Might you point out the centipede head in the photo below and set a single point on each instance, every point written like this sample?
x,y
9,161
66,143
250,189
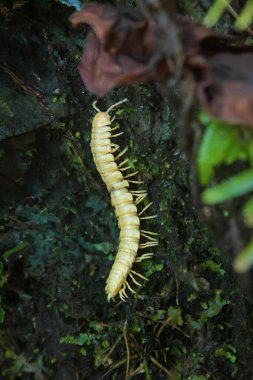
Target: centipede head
x,y
101,119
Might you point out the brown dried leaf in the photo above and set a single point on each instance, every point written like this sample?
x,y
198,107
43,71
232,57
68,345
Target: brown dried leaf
x,y
227,94
127,48
123,49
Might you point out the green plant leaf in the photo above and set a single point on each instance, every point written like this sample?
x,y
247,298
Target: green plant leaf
x,y
219,143
215,305
219,7
245,259
212,266
104,247
215,12
245,18
234,187
19,247
175,316
227,351
159,315
248,212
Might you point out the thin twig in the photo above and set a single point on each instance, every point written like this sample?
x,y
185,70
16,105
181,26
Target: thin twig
x,y
117,365
112,348
127,350
159,365
136,371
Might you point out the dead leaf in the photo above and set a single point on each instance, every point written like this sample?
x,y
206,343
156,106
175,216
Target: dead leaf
x,y
127,48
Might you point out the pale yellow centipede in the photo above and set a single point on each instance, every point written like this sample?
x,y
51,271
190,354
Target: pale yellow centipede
x,y
124,202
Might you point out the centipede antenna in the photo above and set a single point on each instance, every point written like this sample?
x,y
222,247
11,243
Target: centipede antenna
x,y
121,153
116,105
145,208
95,107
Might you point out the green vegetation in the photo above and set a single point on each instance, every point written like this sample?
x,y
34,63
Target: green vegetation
x,y
224,145
219,7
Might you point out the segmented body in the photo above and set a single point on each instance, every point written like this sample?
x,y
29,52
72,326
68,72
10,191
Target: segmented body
x,y
124,203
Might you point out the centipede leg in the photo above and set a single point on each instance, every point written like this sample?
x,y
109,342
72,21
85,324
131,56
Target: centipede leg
x,y
124,169
115,128
129,287
136,193
131,175
122,293
149,237
117,134
148,217
140,275
123,163
140,198
121,296
112,119
136,181
121,153
150,232
145,208
144,257
148,244
114,148
133,279
147,234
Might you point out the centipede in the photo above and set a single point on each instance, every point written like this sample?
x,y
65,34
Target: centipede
x,y
125,201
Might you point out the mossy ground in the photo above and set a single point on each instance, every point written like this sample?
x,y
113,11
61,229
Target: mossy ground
x,y
189,321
